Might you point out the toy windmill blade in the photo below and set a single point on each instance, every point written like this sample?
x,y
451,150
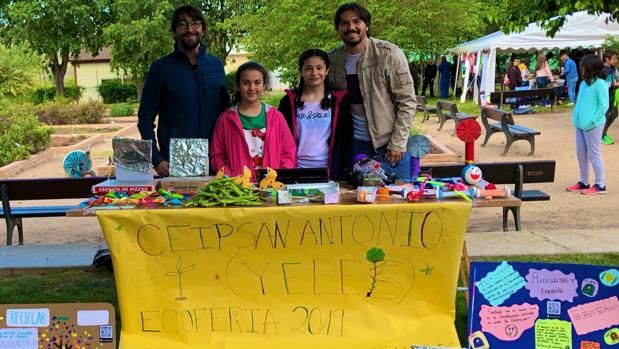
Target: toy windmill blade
x,y
468,130
418,146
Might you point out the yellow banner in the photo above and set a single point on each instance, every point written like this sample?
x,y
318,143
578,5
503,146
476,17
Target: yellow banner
x,y
341,276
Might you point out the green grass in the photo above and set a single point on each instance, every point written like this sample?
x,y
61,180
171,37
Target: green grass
x,y
98,285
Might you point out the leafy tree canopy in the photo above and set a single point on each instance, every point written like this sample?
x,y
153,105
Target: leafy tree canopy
x,y
57,29
279,30
515,15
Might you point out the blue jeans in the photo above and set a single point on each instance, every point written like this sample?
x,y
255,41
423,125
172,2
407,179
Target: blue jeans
x,y
401,170
571,89
542,81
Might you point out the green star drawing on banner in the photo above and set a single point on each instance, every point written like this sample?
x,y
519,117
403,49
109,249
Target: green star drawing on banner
x,y
427,270
119,227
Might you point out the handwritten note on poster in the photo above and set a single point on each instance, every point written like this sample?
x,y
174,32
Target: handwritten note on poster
x,y
551,285
500,284
508,323
27,317
595,316
553,334
18,338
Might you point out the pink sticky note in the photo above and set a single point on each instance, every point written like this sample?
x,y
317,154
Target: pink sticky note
x,y
595,316
508,323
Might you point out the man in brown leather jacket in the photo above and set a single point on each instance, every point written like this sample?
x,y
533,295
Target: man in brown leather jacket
x,y
381,89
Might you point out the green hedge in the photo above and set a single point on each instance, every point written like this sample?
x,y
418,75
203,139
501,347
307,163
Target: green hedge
x,y
121,109
115,91
59,112
21,134
231,82
45,93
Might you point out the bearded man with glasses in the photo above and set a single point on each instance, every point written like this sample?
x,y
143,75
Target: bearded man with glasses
x,y
186,89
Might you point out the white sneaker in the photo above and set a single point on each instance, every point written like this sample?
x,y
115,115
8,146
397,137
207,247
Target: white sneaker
x,y
570,104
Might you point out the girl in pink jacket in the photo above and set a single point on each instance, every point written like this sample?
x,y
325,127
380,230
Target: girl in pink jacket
x,y
251,133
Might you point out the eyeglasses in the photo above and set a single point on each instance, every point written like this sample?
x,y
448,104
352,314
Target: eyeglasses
x,y
195,24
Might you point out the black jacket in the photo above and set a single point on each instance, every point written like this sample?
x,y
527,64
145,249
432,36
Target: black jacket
x,y
340,142
430,72
187,99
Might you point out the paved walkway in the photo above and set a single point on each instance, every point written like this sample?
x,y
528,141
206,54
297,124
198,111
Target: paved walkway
x,y
543,242
16,258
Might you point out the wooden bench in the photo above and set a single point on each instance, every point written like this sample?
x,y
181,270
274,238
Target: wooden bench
x,y
506,125
422,106
40,189
535,96
517,173
449,111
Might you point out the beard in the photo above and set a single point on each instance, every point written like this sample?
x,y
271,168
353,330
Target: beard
x,y
352,42
189,42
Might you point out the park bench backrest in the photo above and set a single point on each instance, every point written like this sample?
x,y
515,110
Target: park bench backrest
x,y
447,108
495,97
421,100
48,188
496,114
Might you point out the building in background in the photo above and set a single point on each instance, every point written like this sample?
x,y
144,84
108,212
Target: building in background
x,y
88,71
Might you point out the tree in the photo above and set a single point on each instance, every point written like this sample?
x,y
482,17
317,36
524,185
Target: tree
x,y
515,15
279,30
19,67
141,32
139,35
57,29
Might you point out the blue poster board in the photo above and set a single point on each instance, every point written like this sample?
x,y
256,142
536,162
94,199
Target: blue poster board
x,y
543,306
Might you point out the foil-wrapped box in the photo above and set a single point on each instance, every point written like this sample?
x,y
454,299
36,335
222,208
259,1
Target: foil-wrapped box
x,y
132,154
188,157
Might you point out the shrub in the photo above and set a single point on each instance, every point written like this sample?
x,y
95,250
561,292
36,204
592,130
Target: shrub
x,y
115,91
121,109
48,93
59,112
21,134
231,82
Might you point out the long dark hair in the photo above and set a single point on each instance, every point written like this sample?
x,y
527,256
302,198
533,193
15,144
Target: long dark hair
x,y
307,54
251,65
593,68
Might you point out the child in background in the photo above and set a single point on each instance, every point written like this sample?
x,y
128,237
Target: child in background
x,y
589,117
543,75
610,64
319,117
251,133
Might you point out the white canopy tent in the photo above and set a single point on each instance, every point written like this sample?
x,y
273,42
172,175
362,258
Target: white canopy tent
x,y
579,30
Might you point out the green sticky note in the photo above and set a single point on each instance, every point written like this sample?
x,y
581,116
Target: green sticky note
x,y
553,334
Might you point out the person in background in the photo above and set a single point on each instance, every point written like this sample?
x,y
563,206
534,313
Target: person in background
x,y
514,75
318,117
454,72
588,117
382,95
570,71
251,133
415,73
186,89
524,71
445,70
429,75
610,68
543,75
